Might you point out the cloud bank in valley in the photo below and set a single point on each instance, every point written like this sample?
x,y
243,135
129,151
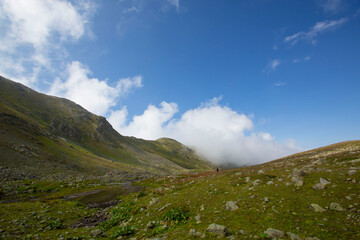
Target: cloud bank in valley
x,y
217,132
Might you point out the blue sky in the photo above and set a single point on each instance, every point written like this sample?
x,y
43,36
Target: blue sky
x,y
271,76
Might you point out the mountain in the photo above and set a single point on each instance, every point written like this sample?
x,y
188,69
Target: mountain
x,y
46,136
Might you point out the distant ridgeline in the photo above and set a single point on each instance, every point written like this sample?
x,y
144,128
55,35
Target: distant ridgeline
x,y
43,136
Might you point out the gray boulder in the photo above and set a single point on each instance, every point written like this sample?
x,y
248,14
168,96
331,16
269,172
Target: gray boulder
x,y
336,207
274,233
317,208
218,230
232,206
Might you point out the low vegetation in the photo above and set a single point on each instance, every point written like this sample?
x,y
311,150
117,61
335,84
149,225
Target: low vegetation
x,y
313,195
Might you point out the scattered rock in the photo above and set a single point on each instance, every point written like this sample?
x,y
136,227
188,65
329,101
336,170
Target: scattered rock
x,y
318,186
202,208
351,172
232,206
96,233
298,175
256,182
260,172
312,238
216,229
321,185
195,233
162,208
153,201
242,232
266,199
324,181
348,197
336,207
293,236
317,208
299,183
270,182
151,225
274,233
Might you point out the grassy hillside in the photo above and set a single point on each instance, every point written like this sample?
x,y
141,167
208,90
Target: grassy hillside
x,y
310,195
43,136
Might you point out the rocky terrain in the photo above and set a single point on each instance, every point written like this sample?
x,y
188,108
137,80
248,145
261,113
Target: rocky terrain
x,y
311,195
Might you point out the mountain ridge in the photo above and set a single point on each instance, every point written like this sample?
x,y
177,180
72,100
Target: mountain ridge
x,y
42,127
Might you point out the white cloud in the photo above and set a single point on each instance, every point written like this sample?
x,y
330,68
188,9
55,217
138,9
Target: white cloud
x,y
131,9
34,30
272,65
331,5
297,60
175,3
93,94
216,132
279,84
312,34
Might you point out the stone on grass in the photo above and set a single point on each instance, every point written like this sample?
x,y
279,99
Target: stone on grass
x,y
231,205
218,230
321,185
154,200
312,238
293,236
242,232
351,172
96,233
298,175
336,207
270,182
299,183
256,182
274,233
324,181
318,186
195,233
317,208
151,224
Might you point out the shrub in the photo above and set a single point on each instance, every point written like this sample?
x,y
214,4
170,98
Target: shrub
x,y
141,194
177,215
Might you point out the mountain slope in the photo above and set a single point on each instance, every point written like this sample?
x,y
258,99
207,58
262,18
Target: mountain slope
x,y
42,135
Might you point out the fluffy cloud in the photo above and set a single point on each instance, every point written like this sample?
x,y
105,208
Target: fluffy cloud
x,y
217,132
91,93
32,30
318,28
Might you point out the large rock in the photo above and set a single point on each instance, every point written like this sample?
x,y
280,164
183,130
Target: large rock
x,y
336,207
317,208
274,233
318,186
232,206
321,185
298,175
218,230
